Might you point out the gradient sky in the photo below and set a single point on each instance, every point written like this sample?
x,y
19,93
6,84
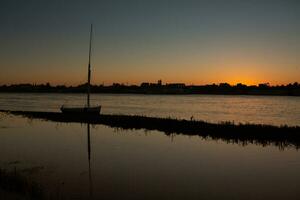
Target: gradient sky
x,y
196,42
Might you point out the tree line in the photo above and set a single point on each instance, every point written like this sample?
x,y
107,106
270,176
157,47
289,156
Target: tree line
x,y
292,89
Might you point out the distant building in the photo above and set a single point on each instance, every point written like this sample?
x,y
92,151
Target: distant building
x,y
175,85
159,83
145,84
241,86
224,85
264,85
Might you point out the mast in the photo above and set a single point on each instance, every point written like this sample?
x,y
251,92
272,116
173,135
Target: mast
x,y
89,69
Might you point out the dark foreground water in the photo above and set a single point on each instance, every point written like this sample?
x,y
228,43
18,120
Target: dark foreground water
x,y
143,165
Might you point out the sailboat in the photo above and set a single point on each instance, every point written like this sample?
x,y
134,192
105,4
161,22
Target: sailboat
x,y
88,109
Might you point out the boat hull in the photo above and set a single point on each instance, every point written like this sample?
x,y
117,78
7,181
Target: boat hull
x,y
81,110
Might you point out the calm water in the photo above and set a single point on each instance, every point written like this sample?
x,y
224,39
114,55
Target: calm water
x,y
142,165
138,164
213,108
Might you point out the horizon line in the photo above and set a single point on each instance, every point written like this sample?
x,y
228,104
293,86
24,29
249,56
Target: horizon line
x,y
157,83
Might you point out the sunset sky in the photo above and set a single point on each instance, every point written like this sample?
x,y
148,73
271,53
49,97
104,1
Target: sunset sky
x,y
195,42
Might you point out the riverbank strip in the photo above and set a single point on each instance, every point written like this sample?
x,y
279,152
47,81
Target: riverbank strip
x,y
282,136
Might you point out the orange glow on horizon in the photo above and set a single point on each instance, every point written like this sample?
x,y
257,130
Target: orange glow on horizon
x,y
191,81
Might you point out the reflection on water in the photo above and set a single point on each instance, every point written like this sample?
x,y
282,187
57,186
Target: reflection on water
x,y
80,161
89,159
275,110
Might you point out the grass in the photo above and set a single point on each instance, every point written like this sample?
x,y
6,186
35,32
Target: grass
x,y
280,136
15,184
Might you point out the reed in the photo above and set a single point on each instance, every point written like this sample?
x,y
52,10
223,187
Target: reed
x,y
13,182
261,134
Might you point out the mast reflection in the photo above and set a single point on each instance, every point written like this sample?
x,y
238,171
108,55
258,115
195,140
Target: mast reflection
x,y
89,161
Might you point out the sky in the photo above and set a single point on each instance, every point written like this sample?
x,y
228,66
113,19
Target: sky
x,y
134,41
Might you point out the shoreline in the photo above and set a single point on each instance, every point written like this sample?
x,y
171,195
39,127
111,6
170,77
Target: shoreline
x,y
261,134
153,93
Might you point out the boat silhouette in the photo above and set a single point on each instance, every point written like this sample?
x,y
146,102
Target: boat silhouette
x,y
88,109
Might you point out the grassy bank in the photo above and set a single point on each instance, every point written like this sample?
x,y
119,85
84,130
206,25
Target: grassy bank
x,y
14,185
281,136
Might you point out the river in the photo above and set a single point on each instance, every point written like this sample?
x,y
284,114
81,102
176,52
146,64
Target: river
x,y
275,110
82,161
